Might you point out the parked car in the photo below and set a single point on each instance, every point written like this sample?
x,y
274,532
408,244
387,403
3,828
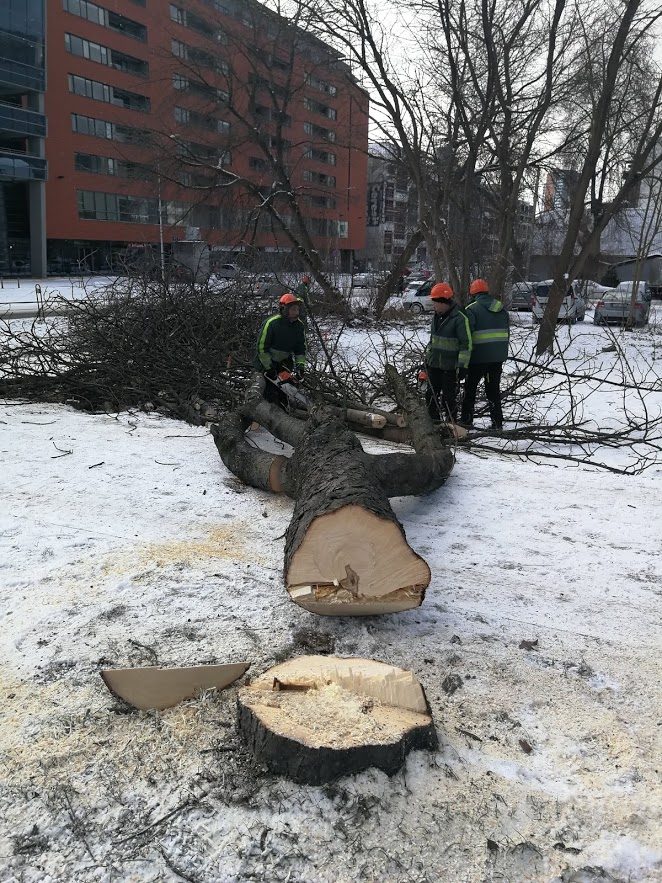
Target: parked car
x,y
367,280
416,297
226,271
616,305
590,290
521,296
573,307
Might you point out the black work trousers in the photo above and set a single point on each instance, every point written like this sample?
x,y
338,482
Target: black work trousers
x,y
491,372
444,385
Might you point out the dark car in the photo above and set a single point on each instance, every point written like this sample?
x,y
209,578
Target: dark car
x,y
521,296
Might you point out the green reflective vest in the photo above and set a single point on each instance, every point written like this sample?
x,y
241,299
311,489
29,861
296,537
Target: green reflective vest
x,y
280,340
450,341
489,330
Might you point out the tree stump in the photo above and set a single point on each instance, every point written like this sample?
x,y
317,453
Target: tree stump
x,y
315,718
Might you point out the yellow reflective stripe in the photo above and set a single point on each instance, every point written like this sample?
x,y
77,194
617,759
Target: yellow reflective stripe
x,y
444,343
264,356
488,336
465,355
300,360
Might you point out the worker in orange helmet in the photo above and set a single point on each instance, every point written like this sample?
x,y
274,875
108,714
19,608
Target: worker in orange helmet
x,y
281,348
447,353
490,333
303,288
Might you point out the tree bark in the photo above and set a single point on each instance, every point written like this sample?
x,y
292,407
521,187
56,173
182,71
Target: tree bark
x,y
316,718
345,551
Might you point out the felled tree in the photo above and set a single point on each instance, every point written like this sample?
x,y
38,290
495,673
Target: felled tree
x,y
345,551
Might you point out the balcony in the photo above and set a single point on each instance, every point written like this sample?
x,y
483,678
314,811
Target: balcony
x,y
20,121
22,167
18,77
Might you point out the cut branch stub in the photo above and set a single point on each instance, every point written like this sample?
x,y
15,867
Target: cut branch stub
x,y
345,551
316,718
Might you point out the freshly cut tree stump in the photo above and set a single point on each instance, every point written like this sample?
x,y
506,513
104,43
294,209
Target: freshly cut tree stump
x,y
315,718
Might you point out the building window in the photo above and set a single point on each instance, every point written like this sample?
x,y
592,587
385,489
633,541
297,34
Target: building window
x,y
318,107
178,48
319,132
190,20
107,18
94,205
108,165
103,55
85,125
202,121
110,94
321,85
321,201
90,126
322,156
196,87
319,178
177,14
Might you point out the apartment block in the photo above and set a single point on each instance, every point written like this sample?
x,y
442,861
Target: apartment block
x,y
186,120
22,133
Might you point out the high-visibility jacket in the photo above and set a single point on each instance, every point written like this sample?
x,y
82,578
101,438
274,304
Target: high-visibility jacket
x,y
450,341
490,330
281,343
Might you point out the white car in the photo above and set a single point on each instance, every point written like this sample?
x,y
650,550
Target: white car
x,y
416,297
573,307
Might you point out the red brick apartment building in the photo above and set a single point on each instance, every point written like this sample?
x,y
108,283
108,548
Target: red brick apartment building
x,y
170,119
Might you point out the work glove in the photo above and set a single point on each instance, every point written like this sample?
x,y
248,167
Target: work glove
x,y
422,376
286,377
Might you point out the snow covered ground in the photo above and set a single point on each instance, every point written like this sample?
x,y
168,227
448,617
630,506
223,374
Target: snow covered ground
x,y
21,298
125,541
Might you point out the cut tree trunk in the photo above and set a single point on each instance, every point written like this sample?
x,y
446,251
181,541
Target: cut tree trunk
x,y
315,718
345,551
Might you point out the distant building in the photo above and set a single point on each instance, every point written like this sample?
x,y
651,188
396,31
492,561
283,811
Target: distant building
x,y
126,77
22,133
391,210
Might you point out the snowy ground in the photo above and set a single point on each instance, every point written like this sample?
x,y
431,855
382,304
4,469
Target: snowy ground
x,y
125,541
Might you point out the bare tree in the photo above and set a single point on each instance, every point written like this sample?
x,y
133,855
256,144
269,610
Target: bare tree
x,y
613,120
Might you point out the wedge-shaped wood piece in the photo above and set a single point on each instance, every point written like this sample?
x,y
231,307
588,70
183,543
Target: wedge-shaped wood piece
x,y
315,718
154,687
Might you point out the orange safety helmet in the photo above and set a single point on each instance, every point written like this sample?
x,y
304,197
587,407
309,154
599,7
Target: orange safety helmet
x,y
289,298
479,286
441,291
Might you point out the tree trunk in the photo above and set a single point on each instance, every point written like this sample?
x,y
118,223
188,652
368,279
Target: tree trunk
x,y
345,551
315,718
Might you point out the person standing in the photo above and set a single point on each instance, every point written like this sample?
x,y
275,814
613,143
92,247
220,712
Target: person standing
x,y
281,348
490,333
303,289
448,352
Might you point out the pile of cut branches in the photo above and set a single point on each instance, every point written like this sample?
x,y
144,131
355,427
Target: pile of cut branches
x,y
135,344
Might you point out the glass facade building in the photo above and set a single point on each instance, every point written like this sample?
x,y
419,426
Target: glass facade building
x,y
23,167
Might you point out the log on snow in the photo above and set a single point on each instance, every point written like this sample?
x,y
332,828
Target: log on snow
x,y
345,551
315,718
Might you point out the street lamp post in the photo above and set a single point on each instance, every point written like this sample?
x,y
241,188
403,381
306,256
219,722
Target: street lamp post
x,y
160,210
